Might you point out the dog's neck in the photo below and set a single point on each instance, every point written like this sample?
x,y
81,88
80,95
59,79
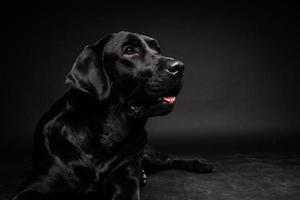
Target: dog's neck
x,y
107,118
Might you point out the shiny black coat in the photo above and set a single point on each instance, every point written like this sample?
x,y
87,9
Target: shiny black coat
x,y
92,144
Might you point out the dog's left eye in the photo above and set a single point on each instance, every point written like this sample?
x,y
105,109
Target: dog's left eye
x,y
130,51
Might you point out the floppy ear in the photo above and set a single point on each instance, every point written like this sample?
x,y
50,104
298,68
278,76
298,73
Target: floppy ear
x,y
88,73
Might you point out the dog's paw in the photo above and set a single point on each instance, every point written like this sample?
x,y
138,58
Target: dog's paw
x,y
194,165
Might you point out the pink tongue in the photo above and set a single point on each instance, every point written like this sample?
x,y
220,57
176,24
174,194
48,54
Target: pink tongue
x,y
169,99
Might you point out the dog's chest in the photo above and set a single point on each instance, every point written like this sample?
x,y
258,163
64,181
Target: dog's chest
x,y
114,130
115,135
111,147
105,167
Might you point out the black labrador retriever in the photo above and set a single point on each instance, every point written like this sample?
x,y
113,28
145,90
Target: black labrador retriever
x,y
92,143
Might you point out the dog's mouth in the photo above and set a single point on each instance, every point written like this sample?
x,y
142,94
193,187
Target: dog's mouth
x,y
154,97
167,99
151,107
153,102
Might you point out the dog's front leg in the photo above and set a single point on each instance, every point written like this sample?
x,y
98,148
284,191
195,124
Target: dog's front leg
x,y
126,184
154,161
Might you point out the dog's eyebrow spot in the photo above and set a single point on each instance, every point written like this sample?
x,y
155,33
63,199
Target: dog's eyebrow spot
x,y
153,44
132,40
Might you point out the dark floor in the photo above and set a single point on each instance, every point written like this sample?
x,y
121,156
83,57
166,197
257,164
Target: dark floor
x,y
270,176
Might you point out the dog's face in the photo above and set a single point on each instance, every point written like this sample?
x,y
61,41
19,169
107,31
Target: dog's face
x,y
132,70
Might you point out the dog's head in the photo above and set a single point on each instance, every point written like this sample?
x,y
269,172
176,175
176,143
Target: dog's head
x,y
129,68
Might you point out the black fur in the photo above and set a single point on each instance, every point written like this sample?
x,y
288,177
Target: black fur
x,y
92,143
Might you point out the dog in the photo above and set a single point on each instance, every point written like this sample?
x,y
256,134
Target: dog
x,y
92,144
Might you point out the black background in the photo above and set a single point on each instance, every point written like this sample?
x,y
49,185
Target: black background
x,y
241,78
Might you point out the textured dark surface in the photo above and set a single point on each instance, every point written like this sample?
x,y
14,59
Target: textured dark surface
x,y
271,176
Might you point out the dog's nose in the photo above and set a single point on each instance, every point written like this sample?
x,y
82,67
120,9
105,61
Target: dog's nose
x,y
175,67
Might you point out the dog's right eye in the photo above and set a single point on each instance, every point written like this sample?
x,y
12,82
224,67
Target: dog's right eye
x,y
130,51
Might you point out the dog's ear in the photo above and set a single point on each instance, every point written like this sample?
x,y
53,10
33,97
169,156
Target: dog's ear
x,y
88,73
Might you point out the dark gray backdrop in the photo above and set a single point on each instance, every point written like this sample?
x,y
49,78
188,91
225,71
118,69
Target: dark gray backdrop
x,y
241,64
